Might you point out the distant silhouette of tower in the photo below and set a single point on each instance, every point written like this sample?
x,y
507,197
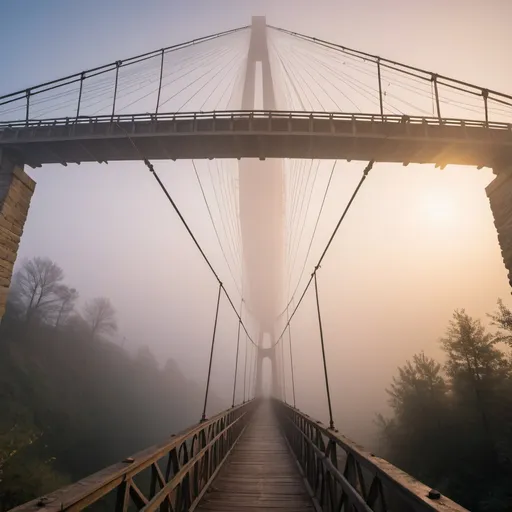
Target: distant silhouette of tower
x,y
262,209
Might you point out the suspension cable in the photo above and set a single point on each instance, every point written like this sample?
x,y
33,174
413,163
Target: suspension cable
x,y
251,367
331,421
203,416
403,68
255,388
245,365
282,379
236,360
291,358
314,232
317,266
151,168
224,218
215,227
365,174
111,66
299,243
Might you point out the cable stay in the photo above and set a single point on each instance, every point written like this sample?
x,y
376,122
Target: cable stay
x,y
333,235
151,168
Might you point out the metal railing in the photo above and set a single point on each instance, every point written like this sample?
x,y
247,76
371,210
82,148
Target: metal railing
x,y
256,114
24,95
342,476
172,476
23,99
471,90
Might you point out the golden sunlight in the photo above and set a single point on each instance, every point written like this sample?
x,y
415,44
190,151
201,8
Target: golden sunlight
x,y
440,208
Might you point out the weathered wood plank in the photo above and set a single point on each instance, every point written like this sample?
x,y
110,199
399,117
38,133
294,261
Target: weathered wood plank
x,y
261,473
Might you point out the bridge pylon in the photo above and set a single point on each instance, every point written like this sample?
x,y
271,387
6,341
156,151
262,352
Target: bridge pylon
x,y
262,208
267,353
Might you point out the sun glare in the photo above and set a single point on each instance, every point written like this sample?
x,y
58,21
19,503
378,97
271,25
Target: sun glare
x,y
439,209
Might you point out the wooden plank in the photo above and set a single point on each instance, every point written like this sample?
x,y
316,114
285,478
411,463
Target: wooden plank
x,y
260,474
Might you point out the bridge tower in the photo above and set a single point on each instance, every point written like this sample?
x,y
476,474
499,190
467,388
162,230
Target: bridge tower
x,y
16,189
262,209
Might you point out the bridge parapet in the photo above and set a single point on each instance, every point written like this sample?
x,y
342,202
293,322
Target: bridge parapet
x,y
343,476
171,476
260,134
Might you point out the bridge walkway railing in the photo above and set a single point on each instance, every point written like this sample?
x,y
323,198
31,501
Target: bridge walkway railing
x,y
177,474
171,476
261,474
343,476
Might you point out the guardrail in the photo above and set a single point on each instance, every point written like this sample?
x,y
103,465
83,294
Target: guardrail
x,y
191,460
256,114
342,476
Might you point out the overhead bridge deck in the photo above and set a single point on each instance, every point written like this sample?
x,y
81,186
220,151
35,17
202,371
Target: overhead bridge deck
x,y
260,134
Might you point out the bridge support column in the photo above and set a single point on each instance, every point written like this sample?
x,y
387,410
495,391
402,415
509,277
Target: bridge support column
x,y
499,193
16,189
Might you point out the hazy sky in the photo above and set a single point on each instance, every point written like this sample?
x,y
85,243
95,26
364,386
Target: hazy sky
x,y
418,243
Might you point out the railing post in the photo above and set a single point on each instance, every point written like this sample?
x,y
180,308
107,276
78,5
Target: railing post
x,y
118,64
160,83
331,422
436,92
380,90
27,112
123,496
82,77
485,95
203,416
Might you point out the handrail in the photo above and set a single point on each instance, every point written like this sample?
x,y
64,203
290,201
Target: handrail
x,y
254,114
341,473
192,459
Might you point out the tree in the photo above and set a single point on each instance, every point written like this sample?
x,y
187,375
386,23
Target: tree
x,y
436,431
477,369
418,382
473,361
418,396
502,318
35,287
67,297
100,316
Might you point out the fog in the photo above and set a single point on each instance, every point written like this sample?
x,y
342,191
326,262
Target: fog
x,y
418,242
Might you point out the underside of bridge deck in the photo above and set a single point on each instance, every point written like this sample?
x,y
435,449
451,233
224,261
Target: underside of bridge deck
x,y
261,473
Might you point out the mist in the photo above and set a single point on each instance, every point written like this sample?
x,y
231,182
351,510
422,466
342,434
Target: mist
x,y
417,243
397,269
385,264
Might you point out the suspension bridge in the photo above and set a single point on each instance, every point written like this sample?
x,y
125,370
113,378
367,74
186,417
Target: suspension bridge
x,y
277,101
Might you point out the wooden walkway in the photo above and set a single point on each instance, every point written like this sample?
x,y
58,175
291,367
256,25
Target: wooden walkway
x,y
260,474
